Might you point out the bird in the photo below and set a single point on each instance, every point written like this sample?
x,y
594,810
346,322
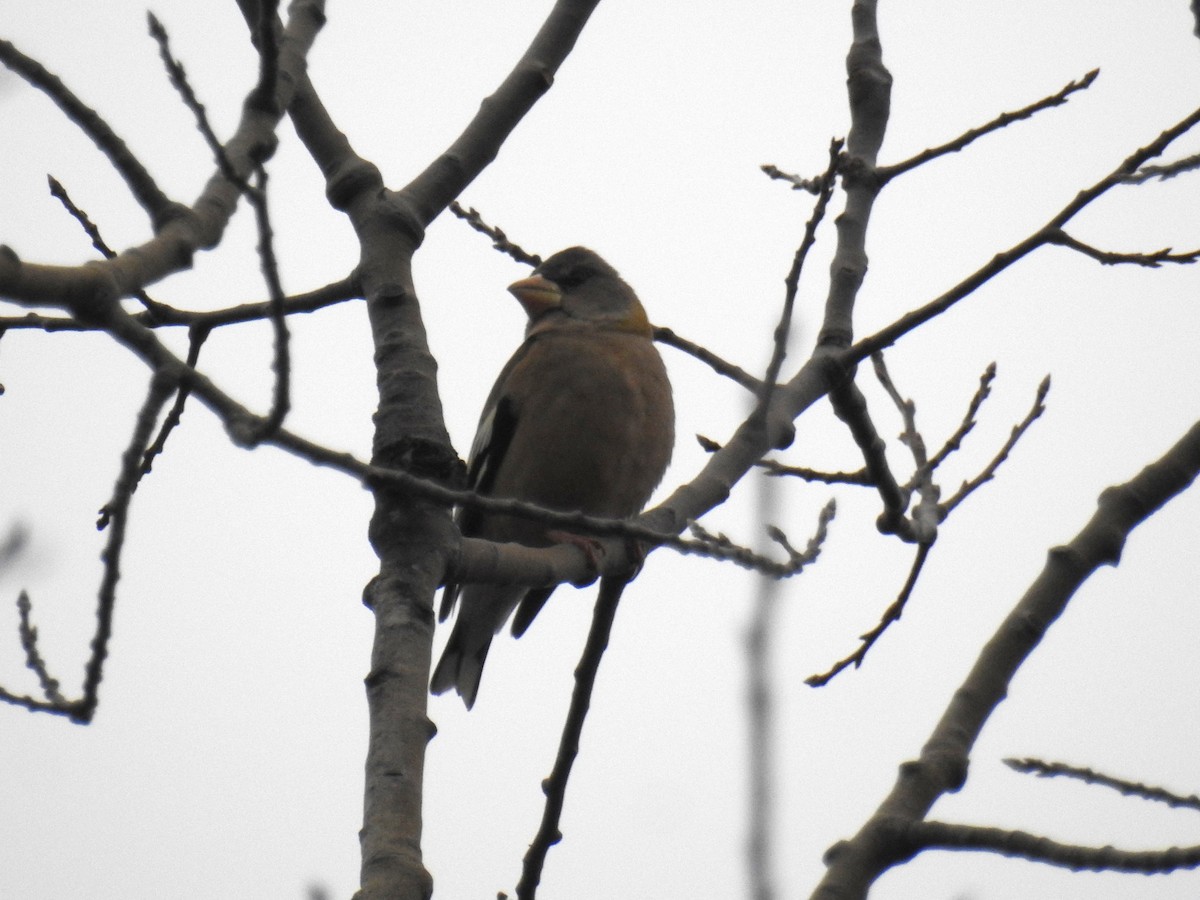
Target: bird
x,y
581,419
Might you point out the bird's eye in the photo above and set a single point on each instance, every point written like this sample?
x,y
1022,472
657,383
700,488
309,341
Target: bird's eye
x,y
571,278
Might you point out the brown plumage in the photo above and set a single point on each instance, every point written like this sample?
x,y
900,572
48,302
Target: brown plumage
x,y
580,419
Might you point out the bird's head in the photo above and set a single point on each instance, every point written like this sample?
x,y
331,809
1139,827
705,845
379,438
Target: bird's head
x,y
576,288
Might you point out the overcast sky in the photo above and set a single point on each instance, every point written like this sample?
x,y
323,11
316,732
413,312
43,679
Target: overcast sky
x,y
226,758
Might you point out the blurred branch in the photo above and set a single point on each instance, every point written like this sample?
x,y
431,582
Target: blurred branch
x,y
141,184
33,658
1089,776
153,307
762,775
13,544
196,339
798,182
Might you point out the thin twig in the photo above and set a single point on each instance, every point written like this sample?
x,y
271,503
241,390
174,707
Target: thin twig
x,y
954,442
1151,260
115,516
256,194
888,335
555,787
157,310
178,78
1165,171
926,514
33,657
933,835
989,472
850,405
886,173
499,239
1089,776
890,615
792,282
168,316
196,339
141,184
862,477
706,356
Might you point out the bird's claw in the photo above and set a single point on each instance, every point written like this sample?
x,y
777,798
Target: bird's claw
x,y
592,549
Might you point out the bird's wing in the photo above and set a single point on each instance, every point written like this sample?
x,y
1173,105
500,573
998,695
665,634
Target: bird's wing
x,y
492,440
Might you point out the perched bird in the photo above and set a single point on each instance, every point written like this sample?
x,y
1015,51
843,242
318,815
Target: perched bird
x,y
580,419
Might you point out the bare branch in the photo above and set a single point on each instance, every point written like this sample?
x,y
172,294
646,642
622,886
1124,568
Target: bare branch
x,y
710,359
942,767
1003,260
1166,171
1022,845
1151,260
447,176
141,184
886,173
862,477
850,406
499,239
33,657
792,283
114,515
168,316
969,487
555,787
156,309
178,78
954,442
890,615
88,293
196,339
718,546
262,98
1089,776
926,515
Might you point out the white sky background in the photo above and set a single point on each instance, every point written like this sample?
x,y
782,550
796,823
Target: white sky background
x,y
226,758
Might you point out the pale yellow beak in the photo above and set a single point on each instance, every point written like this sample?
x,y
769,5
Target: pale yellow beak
x,y
536,294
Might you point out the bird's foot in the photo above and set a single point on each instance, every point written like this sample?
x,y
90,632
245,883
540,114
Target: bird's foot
x,y
592,549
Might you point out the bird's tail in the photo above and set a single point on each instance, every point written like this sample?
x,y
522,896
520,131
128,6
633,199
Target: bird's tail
x,y
461,665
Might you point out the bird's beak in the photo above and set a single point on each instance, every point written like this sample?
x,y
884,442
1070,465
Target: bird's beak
x,y
536,294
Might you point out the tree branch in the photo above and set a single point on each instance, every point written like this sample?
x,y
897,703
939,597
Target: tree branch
x,y
855,864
